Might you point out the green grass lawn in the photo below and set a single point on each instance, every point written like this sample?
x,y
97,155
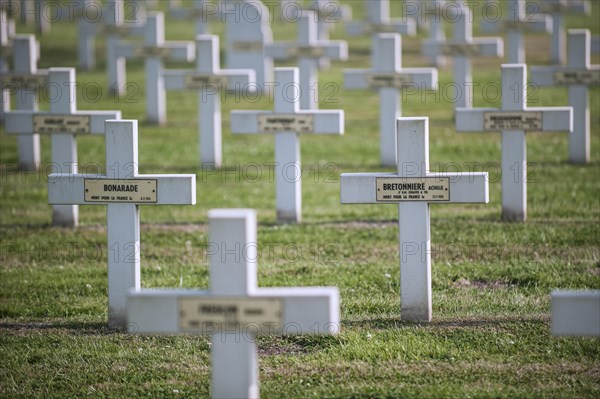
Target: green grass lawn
x,y
490,335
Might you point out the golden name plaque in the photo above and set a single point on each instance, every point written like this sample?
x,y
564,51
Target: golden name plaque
x,y
198,81
24,82
272,123
378,80
454,49
247,46
120,190
208,315
159,52
306,52
407,189
512,120
586,78
52,124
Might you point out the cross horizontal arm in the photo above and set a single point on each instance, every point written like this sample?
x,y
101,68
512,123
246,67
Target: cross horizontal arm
x,y
230,79
21,122
316,121
552,119
66,188
560,75
361,188
305,310
425,78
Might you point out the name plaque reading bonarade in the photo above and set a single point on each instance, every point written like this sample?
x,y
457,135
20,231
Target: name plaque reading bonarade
x,y
306,51
512,120
198,81
453,49
588,78
400,189
379,80
29,82
160,52
120,190
207,315
50,124
286,123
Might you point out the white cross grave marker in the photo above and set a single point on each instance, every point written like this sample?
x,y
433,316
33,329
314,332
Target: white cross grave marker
x,y
154,51
414,188
123,190
379,21
433,12
514,119
461,48
234,310
63,122
89,18
209,80
286,122
595,44
557,9
389,78
308,51
519,19
202,12
575,313
26,81
577,75
248,32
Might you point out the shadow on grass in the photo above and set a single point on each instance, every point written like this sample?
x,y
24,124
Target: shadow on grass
x,y
393,322
65,327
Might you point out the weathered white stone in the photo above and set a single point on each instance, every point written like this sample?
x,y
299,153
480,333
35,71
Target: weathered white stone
x,y
575,313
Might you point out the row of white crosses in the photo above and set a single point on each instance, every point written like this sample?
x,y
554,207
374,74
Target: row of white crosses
x,y
234,310
63,122
308,50
462,47
25,81
519,19
209,80
287,121
389,78
413,187
123,190
514,119
577,75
